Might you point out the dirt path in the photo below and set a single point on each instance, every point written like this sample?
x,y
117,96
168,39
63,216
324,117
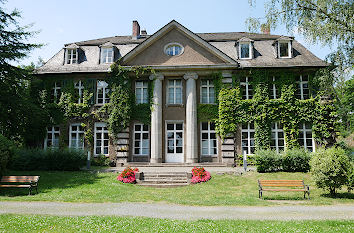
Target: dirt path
x,y
180,212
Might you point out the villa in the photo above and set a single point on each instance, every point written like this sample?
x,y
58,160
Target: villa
x,y
184,63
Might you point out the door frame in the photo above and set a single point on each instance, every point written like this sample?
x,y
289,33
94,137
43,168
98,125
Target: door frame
x,y
166,140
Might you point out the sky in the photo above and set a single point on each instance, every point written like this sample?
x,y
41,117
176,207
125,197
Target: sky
x,y
64,21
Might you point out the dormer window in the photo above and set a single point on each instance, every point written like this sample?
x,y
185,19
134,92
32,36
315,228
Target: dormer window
x,y
245,50
284,49
71,56
107,55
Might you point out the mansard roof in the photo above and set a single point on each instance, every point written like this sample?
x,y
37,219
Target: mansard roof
x,y
222,44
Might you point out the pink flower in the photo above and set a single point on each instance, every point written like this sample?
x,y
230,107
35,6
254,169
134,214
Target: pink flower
x,y
200,175
128,175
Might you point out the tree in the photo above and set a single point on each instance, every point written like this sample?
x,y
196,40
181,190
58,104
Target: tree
x,y
325,21
16,106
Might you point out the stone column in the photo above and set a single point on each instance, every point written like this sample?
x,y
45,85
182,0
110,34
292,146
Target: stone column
x,y
191,118
156,120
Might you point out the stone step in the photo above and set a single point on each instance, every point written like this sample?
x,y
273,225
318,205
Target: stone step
x,y
169,185
164,181
144,164
163,175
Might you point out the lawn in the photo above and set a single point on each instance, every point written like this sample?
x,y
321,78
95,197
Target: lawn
x,y
36,223
220,190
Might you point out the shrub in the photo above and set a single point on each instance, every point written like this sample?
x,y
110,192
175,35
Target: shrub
x,y
268,161
128,175
6,152
296,160
48,160
330,169
199,174
100,160
251,160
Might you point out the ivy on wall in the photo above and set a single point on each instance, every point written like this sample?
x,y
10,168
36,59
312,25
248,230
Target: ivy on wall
x,y
263,111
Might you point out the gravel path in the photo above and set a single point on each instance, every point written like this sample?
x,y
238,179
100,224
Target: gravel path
x,y
180,212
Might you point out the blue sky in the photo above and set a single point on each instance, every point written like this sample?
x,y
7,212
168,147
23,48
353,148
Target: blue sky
x,y
65,21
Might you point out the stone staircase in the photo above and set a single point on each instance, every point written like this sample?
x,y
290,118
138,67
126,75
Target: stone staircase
x,y
163,179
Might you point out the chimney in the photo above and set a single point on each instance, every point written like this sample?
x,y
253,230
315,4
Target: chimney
x,y
143,33
136,30
265,28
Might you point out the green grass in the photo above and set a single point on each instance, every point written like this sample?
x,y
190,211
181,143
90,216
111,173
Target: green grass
x,y
220,190
37,223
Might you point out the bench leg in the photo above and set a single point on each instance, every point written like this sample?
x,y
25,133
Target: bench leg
x,y
30,191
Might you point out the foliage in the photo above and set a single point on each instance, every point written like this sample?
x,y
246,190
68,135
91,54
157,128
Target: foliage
x,y
287,110
128,175
251,160
324,21
100,160
268,161
296,160
330,169
17,109
48,160
6,153
199,174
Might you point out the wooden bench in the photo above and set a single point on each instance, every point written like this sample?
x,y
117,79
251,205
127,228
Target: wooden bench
x,y
30,182
291,186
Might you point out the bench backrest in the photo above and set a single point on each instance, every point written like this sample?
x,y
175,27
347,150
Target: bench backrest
x,y
281,183
19,179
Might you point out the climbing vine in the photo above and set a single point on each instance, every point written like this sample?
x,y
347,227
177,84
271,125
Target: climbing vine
x,y
263,111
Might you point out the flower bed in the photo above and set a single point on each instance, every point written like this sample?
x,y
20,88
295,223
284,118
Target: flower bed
x,y
200,175
128,175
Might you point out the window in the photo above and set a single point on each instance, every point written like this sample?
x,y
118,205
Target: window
x,y
76,136
107,55
52,138
302,91
55,95
246,87
305,137
141,139
277,141
207,92
245,50
175,91
101,139
80,87
209,141
141,92
173,49
247,138
102,92
274,90
284,49
71,56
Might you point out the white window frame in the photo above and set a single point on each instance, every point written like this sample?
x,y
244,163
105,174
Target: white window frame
x,y
107,59
52,131
304,130
141,132
277,129
77,133
249,139
102,132
300,86
175,131
250,54
71,56
289,48
173,47
56,91
247,87
79,85
105,92
274,90
174,91
209,84
210,148
143,85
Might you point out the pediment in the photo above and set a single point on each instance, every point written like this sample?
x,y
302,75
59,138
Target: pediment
x,y
196,51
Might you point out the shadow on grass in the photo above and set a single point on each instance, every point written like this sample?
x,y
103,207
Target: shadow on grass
x,y
51,180
339,195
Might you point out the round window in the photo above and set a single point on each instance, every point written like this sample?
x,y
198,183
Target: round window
x,y
173,49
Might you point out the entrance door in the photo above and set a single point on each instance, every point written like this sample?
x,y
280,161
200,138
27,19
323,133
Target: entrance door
x,y
174,143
